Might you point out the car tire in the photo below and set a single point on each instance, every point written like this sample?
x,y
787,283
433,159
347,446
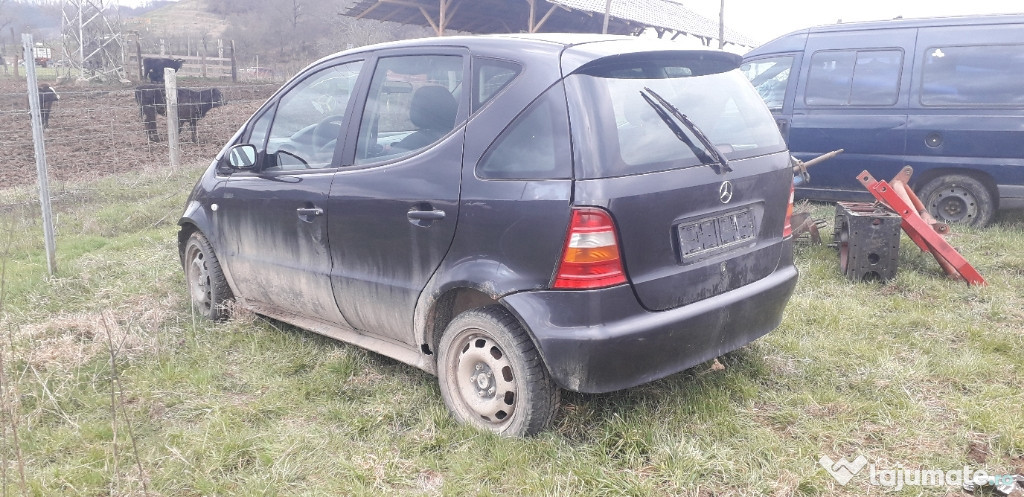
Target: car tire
x,y
491,375
957,198
207,286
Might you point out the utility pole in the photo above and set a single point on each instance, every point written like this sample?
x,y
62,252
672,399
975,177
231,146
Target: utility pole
x,y
721,25
92,38
607,13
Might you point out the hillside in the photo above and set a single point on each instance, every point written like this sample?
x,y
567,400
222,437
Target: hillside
x,y
185,18
281,34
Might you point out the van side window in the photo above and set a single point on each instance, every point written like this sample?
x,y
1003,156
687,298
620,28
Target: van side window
x,y
973,75
854,77
769,77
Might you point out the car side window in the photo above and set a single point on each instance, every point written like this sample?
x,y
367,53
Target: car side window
x,y
489,77
535,145
308,121
413,102
854,77
258,134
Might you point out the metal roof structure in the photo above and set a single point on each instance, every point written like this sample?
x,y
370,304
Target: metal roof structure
x,y
666,17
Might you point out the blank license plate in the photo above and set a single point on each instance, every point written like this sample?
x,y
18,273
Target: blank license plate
x,y
708,235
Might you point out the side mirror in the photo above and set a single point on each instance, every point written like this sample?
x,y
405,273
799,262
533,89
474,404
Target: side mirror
x,y
242,156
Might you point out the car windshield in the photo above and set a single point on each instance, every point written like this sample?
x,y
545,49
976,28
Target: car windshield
x,y
611,112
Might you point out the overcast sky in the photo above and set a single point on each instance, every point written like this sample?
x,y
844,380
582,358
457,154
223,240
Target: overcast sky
x,y
764,20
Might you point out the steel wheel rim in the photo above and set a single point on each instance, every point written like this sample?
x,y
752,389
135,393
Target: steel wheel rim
x,y
485,382
955,204
844,247
199,279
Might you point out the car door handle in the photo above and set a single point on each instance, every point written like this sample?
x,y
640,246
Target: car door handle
x,y
432,215
309,211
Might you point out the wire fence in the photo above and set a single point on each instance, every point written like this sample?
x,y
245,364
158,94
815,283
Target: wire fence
x,y
98,130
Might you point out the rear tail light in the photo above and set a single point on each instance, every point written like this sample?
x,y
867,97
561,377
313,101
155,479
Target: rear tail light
x,y
591,258
787,228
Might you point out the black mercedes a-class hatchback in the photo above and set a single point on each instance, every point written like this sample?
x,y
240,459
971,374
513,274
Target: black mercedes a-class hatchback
x,y
516,214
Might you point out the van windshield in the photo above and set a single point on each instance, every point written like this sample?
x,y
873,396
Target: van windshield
x,y
770,77
618,132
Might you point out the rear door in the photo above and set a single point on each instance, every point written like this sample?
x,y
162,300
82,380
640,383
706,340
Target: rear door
x,y
395,203
852,94
689,228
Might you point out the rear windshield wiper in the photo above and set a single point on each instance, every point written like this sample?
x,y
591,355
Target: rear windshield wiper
x,y
709,155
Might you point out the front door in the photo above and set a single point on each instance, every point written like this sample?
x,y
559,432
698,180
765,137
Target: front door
x,y
770,76
393,210
274,220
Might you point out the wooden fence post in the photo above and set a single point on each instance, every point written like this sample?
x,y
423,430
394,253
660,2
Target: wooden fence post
x,y
234,65
138,61
171,90
203,55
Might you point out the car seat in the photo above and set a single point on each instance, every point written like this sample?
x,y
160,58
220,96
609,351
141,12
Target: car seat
x,y
432,110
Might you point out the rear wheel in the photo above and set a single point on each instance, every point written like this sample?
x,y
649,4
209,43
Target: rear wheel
x,y
491,375
957,198
206,283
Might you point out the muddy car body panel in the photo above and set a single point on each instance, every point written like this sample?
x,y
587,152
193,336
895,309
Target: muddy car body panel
x,y
615,208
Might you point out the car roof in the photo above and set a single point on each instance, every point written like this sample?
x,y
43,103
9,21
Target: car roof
x,y
550,44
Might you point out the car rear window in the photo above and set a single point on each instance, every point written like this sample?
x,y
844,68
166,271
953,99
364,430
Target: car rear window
x,y
616,131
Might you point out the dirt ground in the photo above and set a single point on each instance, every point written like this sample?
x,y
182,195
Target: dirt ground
x,y
97,130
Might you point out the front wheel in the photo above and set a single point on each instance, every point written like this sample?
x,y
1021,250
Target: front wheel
x,y
957,198
491,375
206,283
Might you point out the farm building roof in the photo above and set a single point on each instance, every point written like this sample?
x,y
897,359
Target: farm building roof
x,y
570,16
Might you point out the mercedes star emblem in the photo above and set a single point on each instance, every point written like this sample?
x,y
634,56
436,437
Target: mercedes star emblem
x,y
725,192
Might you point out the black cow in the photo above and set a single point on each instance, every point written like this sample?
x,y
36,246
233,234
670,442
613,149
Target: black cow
x,y
47,96
153,67
192,106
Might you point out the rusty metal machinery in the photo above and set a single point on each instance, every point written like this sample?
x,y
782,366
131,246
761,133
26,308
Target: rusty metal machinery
x,y
868,238
921,227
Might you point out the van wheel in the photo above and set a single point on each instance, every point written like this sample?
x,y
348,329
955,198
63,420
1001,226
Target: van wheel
x,y
206,283
956,198
491,375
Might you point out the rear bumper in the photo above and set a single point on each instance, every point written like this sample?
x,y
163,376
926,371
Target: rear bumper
x,y
604,340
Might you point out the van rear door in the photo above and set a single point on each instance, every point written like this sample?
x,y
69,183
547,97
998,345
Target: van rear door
x,y
852,94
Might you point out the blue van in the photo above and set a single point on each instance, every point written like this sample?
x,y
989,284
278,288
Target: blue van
x,y
944,95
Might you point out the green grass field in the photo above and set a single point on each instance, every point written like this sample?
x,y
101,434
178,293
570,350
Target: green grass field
x,y
922,372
